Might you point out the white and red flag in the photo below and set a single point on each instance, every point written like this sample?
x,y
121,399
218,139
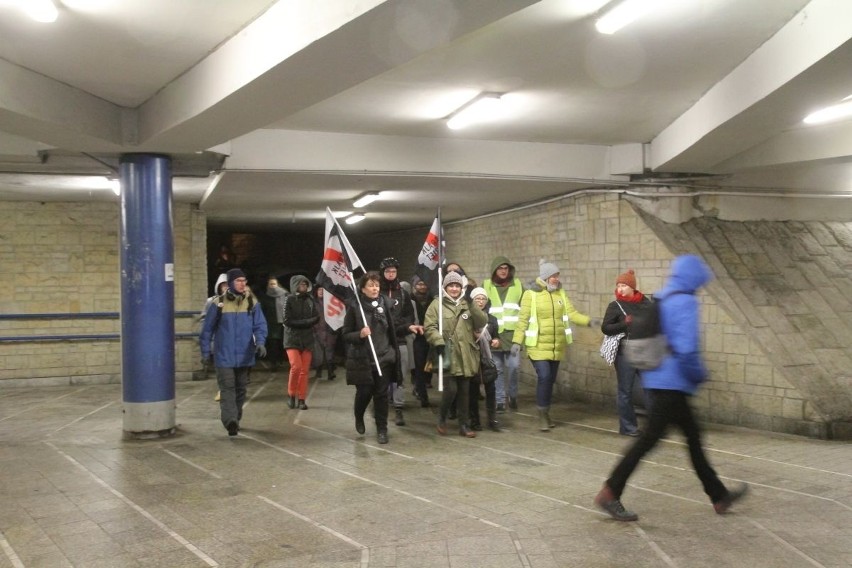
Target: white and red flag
x,y
335,276
431,256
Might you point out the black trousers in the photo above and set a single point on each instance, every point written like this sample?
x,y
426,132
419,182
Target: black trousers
x,y
421,377
456,389
378,393
668,407
490,400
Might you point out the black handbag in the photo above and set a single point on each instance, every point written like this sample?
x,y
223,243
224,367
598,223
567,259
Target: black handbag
x,y
488,369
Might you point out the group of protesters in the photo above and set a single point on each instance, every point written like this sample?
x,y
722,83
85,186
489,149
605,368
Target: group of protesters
x,y
473,337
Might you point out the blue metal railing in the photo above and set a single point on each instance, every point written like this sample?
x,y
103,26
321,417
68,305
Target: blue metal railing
x,y
79,336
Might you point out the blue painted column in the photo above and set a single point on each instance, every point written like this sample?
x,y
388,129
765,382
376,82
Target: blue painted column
x,y
147,296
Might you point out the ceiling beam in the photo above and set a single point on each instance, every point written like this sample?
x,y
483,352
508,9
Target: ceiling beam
x,y
287,150
296,55
699,137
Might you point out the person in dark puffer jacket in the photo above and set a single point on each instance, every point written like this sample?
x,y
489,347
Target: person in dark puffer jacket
x,y
300,315
371,382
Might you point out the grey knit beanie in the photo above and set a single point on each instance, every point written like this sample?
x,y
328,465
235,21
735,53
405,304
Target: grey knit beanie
x,y
546,269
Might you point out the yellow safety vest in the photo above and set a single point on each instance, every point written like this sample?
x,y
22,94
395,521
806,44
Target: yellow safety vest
x,y
531,334
507,311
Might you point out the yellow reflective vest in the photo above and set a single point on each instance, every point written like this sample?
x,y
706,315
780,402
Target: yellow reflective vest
x,y
506,311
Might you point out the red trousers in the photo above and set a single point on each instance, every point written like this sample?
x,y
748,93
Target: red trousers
x,y
300,364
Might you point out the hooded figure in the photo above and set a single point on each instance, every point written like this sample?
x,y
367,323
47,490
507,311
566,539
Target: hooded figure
x,y
300,315
504,293
683,369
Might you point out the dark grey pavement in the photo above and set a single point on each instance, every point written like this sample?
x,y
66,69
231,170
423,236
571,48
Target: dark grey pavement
x,y
302,488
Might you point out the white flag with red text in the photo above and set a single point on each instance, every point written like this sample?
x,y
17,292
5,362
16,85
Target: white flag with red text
x,y
338,262
431,255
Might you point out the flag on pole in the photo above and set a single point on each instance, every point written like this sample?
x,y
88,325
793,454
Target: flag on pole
x,y
335,276
431,256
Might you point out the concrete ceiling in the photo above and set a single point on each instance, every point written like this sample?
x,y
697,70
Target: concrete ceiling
x,y
275,110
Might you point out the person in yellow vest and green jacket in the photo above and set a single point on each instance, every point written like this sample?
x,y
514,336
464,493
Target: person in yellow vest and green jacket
x,y
544,328
504,294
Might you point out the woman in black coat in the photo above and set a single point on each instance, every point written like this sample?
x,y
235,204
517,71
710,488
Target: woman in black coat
x,y
618,315
361,370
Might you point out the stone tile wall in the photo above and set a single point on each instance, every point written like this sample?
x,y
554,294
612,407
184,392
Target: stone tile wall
x,y
755,382
63,258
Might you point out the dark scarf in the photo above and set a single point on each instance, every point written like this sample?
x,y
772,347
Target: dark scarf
x,y
497,282
389,285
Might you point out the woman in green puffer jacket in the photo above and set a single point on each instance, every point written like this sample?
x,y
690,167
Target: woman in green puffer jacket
x,y
462,323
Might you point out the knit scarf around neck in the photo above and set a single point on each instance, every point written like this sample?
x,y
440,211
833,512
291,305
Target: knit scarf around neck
x,y
635,299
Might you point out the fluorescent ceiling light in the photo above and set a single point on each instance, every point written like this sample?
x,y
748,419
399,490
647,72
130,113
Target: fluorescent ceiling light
x,y
366,199
625,13
41,10
115,186
357,218
829,114
483,107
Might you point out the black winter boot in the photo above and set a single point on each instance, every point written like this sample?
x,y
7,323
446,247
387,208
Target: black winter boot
x,y
400,419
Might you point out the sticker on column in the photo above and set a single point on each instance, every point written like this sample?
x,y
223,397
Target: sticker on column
x,y
170,272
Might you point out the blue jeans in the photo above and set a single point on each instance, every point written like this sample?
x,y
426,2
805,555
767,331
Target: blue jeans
x,y
507,370
627,376
546,372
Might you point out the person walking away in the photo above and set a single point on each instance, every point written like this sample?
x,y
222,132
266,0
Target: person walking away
x,y
370,381
544,327
460,324
235,329
678,377
628,301
300,315
272,303
325,339
487,375
504,294
422,377
402,312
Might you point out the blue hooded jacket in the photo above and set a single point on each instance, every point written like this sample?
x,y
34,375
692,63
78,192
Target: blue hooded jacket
x,y
683,369
235,325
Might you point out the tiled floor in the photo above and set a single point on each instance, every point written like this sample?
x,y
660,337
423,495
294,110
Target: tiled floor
x,y
301,488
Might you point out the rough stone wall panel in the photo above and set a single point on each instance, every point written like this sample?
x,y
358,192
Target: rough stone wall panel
x,y
66,260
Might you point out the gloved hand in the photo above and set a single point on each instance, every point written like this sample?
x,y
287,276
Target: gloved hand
x,y
628,319
595,322
441,350
515,350
260,351
207,362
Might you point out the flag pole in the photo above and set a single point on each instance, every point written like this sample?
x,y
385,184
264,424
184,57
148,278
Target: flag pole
x,y
441,299
344,245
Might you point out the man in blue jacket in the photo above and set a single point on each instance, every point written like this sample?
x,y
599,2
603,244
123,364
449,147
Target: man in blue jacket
x,y
669,386
235,325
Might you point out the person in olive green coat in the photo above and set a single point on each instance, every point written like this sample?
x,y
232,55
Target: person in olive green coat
x,y
544,327
462,323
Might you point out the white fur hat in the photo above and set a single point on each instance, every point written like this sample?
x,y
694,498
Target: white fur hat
x,y
478,292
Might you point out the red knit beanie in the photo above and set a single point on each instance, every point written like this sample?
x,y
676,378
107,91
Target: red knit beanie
x,y
628,278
